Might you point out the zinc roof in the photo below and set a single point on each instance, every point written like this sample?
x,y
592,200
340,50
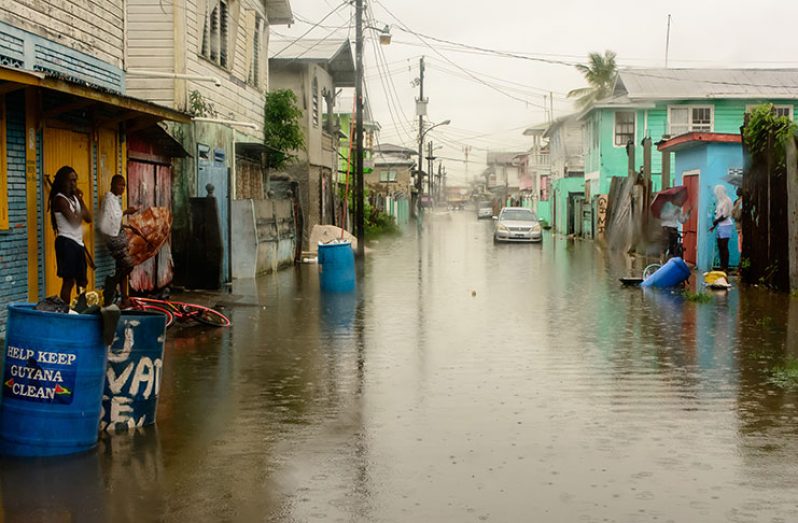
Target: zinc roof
x,y
673,84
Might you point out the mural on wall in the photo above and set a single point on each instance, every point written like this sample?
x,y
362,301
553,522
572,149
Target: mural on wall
x,y
601,220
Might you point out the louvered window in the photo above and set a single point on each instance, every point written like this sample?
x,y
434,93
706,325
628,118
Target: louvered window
x,y
254,67
315,105
215,34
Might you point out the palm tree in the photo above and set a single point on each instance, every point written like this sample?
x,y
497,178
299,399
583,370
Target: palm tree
x,y
600,75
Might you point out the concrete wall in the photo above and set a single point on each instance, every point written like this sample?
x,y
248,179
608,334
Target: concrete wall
x,y
299,79
265,236
402,184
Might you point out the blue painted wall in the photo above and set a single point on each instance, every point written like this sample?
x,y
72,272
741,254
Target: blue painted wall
x,y
14,241
713,160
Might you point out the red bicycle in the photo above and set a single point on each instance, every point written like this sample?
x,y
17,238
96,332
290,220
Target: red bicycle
x,y
181,311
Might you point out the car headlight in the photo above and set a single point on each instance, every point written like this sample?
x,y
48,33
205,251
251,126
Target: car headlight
x,y
502,228
536,227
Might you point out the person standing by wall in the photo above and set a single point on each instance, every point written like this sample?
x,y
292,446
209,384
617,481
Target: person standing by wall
x,y
67,214
724,224
113,232
672,217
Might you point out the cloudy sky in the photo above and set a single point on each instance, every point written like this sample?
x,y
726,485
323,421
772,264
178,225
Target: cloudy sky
x,y
490,99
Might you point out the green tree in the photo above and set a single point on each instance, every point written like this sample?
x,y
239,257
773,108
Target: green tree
x,y
600,74
281,129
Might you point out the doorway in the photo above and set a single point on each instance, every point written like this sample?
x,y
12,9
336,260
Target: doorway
x,y
65,147
150,185
690,228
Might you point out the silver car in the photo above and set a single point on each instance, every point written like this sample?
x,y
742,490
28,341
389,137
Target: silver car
x,y
517,224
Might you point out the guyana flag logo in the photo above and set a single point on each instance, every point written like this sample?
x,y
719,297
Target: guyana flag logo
x,y
9,383
62,391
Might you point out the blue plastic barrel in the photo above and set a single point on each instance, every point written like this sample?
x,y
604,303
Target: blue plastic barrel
x,y
53,380
337,267
133,378
673,273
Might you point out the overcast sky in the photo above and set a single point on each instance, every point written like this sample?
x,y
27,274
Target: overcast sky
x,y
704,33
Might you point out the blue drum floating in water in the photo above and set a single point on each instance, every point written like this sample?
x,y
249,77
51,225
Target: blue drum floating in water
x,y
133,378
337,266
673,273
52,382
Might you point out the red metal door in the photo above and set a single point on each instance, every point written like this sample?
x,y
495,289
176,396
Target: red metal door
x,y
690,228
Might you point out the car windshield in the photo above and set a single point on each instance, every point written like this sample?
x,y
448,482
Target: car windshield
x,y
518,215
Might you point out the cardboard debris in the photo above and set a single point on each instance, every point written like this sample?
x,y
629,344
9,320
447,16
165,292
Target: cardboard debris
x,y
328,234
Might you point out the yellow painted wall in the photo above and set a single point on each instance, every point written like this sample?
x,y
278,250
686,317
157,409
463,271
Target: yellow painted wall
x,y
66,147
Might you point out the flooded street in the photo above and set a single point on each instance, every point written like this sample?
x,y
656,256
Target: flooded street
x,y
462,382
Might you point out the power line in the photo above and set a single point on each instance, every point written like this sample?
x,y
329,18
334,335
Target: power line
x,y
309,30
474,77
389,87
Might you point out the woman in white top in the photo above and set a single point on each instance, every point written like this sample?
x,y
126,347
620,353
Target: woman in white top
x,y
724,224
67,214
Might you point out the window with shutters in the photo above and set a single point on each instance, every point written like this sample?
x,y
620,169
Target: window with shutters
x,y
388,176
690,118
778,110
215,34
315,103
624,127
257,43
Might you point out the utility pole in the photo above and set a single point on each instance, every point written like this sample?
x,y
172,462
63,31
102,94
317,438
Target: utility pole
x,y
430,159
360,226
420,110
667,41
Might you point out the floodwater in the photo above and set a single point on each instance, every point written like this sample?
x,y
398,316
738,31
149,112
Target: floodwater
x,y
462,382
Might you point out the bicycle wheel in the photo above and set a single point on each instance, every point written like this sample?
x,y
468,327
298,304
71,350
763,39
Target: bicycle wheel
x,y
170,318
650,269
204,315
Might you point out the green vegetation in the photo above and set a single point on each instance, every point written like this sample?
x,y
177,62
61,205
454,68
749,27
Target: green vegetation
x,y
379,223
765,129
697,297
281,129
600,75
199,106
785,376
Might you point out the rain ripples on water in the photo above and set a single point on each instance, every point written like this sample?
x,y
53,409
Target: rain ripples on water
x,y
462,382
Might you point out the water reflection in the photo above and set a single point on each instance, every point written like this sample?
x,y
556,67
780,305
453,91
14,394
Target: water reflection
x,y
462,381
61,489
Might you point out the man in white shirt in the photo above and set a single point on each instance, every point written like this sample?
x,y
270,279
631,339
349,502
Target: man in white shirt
x,y
672,217
112,229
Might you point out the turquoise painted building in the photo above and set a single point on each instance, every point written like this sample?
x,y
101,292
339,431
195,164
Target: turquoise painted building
x,y
665,103
567,201
702,161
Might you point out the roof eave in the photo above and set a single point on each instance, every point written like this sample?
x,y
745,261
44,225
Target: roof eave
x,y
279,12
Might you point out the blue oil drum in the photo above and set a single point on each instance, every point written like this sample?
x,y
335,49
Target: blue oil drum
x,y
53,378
133,378
673,273
337,267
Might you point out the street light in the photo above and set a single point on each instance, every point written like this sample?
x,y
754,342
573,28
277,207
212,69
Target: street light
x,y
385,38
419,184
